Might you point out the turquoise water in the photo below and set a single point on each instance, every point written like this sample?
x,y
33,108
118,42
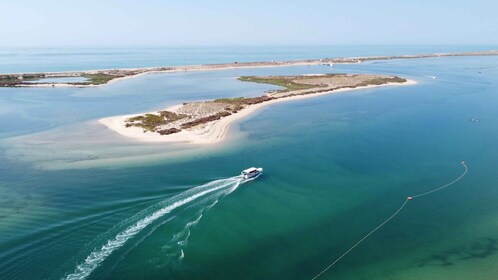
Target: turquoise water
x,y
17,60
73,194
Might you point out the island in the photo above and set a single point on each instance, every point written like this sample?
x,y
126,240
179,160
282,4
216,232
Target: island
x,y
206,122
93,78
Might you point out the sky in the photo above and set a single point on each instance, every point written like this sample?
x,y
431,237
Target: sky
x,y
32,23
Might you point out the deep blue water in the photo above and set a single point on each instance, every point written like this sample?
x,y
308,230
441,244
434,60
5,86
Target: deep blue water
x,y
335,167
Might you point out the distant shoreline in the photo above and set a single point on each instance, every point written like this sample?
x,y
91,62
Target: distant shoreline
x,y
103,77
216,131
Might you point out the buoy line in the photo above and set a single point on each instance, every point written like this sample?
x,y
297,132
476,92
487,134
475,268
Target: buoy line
x,y
409,198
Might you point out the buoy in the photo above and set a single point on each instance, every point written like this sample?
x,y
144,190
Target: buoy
x,y
410,198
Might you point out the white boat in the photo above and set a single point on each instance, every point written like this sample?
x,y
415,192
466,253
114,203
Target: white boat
x,y
252,172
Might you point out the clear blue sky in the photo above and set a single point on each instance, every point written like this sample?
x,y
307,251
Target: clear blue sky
x,y
257,22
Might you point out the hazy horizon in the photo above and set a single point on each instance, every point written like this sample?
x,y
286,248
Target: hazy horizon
x,y
117,46
258,23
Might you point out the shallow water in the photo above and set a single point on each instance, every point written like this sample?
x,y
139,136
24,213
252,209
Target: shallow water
x,y
335,167
19,60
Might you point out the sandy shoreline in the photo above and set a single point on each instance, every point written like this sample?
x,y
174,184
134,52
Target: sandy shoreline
x,y
213,132
137,72
179,69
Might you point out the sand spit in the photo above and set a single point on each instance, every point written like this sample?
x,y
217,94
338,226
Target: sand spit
x,y
102,77
215,131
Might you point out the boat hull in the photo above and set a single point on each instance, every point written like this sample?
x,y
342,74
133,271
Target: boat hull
x,y
255,173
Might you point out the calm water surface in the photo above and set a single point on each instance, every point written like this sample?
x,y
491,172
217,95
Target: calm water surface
x,y
78,201
18,60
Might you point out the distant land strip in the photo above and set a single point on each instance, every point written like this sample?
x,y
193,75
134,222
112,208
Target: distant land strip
x,y
89,78
207,122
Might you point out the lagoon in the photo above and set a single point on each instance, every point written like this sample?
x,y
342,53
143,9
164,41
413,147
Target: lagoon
x,y
335,167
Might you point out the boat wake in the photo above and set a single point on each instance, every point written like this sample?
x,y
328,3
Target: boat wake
x,y
198,199
172,254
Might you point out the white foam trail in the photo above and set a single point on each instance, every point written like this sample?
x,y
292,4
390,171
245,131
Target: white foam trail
x,y
95,258
174,248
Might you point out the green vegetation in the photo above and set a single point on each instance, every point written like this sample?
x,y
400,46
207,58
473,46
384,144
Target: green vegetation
x,y
169,131
235,100
9,81
381,81
150,122
13,80
207,119
285,82
32,77
97,79
237,107
171,117
239,102
93,79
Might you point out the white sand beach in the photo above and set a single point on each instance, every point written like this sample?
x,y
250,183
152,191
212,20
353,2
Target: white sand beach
x,y
215,131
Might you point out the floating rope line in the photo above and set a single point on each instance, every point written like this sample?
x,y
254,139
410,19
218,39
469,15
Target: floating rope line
x,y
409,198
445,186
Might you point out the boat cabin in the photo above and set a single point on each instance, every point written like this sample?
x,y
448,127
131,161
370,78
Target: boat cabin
x,y
251,172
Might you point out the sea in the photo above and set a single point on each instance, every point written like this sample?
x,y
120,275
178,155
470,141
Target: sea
x,y
78,201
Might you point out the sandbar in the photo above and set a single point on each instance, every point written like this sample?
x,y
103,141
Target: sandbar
x,y
215,131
